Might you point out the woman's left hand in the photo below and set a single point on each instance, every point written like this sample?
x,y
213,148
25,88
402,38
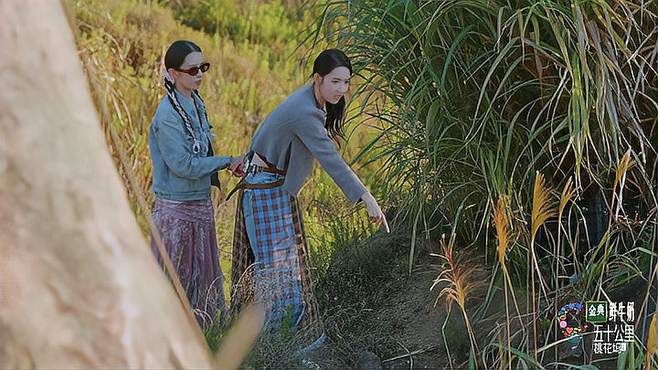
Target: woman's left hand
x,y
374,211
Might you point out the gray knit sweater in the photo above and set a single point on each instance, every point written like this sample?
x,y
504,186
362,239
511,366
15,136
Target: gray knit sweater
x,y
293,135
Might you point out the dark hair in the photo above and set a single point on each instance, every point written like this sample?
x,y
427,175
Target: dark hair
x,y
178,51
174,58
323,65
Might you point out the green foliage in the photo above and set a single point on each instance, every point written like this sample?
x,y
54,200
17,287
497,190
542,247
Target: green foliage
x,y
214,334
475,98
256,22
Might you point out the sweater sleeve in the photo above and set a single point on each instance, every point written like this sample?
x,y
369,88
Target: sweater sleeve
x,y
177,154
316,139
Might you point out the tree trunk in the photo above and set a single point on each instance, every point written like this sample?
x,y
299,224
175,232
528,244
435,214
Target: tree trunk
x,y
78,285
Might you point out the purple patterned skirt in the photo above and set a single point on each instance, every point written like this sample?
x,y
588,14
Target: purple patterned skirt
x,y
187,230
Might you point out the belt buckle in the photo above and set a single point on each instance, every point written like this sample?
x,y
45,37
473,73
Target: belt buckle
x,y
253,169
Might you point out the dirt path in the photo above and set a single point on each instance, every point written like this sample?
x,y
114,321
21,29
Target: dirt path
x,y
413,306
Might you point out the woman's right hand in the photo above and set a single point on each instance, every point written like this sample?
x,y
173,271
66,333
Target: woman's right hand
x,y
236,166
374,211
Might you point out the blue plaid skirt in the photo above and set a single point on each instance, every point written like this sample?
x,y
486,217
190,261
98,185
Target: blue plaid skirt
x,y
271,232
270,262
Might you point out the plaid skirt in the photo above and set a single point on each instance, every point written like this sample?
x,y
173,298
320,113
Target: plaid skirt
x,y
187,230
274,268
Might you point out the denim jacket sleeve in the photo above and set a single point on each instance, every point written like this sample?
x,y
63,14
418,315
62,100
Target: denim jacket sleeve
x,y
176,151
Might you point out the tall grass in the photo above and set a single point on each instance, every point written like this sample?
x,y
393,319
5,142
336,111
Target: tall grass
x,y
475,97
566,196
501,223
542,210
651,343
458,283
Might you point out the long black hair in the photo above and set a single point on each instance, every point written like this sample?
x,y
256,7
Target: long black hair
x,y
323,65
174,58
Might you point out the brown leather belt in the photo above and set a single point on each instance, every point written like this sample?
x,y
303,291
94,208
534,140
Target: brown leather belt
x,y
271,169
245,185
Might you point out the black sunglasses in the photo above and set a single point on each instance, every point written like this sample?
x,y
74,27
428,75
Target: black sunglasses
x,y
195,70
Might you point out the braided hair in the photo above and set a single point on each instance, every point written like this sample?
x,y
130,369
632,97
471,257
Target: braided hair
x,y
325,62
174,58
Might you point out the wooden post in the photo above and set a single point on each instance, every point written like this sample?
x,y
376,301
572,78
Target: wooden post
x,y
78,285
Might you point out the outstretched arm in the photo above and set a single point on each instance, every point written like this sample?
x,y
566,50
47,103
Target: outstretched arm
x,y
314,136
316,139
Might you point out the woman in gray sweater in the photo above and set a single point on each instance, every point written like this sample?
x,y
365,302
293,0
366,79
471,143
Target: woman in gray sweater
x,y
270,260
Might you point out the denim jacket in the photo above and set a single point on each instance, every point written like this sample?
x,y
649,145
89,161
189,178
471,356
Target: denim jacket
x,y
178,173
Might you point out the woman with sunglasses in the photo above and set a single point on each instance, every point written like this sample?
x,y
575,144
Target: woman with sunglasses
x,y
270,258
184,167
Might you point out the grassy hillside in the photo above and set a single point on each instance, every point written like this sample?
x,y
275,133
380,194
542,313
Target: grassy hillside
x,y
256,59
